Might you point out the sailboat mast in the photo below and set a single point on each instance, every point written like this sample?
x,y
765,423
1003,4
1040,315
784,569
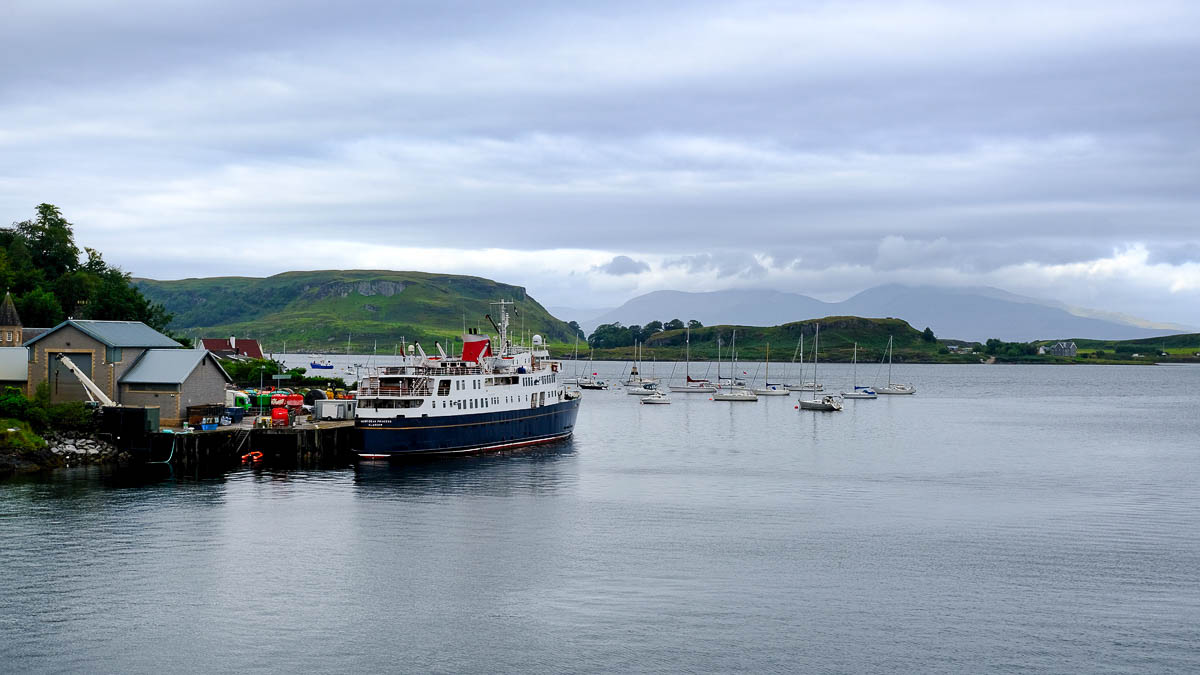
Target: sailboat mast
x,y
687,350
816,345
802,355
890,349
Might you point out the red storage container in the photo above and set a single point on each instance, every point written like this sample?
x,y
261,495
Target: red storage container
x,y
279,415
278,399
295,400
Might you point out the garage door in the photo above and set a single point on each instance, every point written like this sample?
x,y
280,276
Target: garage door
x,y
64,386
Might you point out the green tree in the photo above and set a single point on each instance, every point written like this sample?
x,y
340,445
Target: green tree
x,y
117,299
651,328
574,326
694,324
610,335
40,308
51,241
24,274
673,324
927,335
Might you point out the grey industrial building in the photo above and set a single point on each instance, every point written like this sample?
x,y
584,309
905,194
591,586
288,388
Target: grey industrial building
x,y
132,363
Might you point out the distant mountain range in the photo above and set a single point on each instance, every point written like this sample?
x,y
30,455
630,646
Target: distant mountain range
x,y
969,313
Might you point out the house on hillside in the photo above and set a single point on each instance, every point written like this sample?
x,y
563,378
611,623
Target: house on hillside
x,y
172,380
1059,349
233,347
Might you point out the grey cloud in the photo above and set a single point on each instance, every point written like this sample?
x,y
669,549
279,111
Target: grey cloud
x,y
622,265
734,264
975,139
1175,255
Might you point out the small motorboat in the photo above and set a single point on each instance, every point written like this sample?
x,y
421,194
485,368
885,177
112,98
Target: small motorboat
x,y
657,398
645,389
823,404
321,364
860,392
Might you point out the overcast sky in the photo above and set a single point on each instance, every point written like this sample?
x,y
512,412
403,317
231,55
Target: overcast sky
x,y
595,153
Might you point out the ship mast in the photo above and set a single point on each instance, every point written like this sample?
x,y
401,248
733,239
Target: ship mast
x,y
502,327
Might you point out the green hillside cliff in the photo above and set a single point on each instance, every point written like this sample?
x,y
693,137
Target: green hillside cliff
x,y
316,311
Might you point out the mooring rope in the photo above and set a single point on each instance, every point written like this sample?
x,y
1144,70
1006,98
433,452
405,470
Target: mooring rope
x,y
172,455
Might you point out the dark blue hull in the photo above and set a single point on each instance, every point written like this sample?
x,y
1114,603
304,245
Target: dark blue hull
x,y
459,434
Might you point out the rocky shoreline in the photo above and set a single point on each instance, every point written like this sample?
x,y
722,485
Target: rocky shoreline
x,y
61,450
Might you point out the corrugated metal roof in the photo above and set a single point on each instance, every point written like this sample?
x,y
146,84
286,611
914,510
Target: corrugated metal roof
x,y
14,364
115,333
167,366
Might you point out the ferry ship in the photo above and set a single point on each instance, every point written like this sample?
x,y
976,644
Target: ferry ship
x,y
484,400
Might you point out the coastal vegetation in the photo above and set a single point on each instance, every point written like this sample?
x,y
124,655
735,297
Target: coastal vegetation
x,y
51,279
25,421
373,310
838,336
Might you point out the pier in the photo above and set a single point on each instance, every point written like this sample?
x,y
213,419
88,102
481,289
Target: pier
x,y
319,443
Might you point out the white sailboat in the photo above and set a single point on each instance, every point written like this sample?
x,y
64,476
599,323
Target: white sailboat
x,y
855,390
689,385
635,379
591,381
894,387
769,389
736,390
828,402
574,379
802,385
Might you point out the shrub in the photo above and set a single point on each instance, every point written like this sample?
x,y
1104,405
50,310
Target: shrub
x,y
72,416
14,405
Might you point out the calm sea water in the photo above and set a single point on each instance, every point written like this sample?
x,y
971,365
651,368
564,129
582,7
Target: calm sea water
x,y
1004,519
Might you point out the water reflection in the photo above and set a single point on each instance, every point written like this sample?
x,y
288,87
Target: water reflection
x,y
541,470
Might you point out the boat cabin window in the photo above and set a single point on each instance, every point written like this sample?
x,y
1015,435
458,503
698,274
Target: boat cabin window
x,y
443,387
403,403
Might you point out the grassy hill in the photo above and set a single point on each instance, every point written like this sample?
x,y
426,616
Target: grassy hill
x,y
315,311
1183,348
838,335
